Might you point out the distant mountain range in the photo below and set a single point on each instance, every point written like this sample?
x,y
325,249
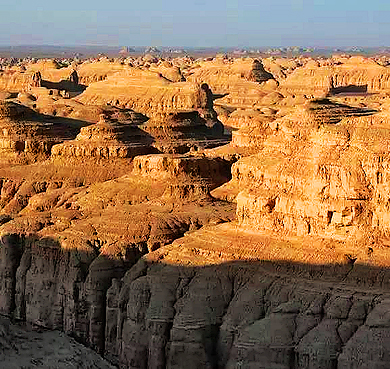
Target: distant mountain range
x,y
49,51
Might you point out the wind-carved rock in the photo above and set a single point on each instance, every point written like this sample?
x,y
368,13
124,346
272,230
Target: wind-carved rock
x,y
169,71
144,92
24,133
354,74
258,73
107,139
181,131
237,82
298,280
36,80
74,78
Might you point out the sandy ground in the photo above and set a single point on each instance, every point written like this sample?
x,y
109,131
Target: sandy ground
x,y
23,348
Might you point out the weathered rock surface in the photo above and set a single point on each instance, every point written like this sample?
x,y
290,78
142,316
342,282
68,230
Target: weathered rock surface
x,y
239,82
25,134
107,139
179,132
242,314
92,235
145,92
135,256
355,74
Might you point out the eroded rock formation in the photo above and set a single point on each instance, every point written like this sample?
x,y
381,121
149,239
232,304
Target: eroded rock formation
x,y
26,134
145,92
178,132
107,139
145,239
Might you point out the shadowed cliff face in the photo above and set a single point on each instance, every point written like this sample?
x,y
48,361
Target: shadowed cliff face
x,y
64,243
56,288
250,314
160,314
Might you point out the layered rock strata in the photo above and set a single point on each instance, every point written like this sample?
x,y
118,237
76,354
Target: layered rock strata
x,y
237,83
27,134
93,234
139,267
145,92
355,74
107,139
16,81
240,314
179,132
319,174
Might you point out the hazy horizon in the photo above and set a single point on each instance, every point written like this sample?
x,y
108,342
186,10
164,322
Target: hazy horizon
x,y
229,24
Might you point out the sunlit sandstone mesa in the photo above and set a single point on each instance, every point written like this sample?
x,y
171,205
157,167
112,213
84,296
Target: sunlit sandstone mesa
x,y
145,92
339,74
107,139
27,135
318,187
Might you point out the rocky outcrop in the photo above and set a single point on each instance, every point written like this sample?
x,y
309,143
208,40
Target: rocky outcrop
x,y
63,245
168,70
240,314
16,81
107,139
134,255
44,73
224,75
91,72
355,74
190,176
320,148
258,73
179,132
26,135
144,92
236,79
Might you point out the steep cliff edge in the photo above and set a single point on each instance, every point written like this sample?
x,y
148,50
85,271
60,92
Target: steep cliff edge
x,y
63,243
299,281
246,314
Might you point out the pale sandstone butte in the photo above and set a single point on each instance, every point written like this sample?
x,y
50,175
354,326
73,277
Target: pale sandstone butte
x,y
236,79
168,70
178,132
42,74
15,81
90,72
145,92
107,139
26,134
49,70
315,80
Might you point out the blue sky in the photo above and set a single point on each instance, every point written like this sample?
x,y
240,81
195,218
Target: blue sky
x,y
229,23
